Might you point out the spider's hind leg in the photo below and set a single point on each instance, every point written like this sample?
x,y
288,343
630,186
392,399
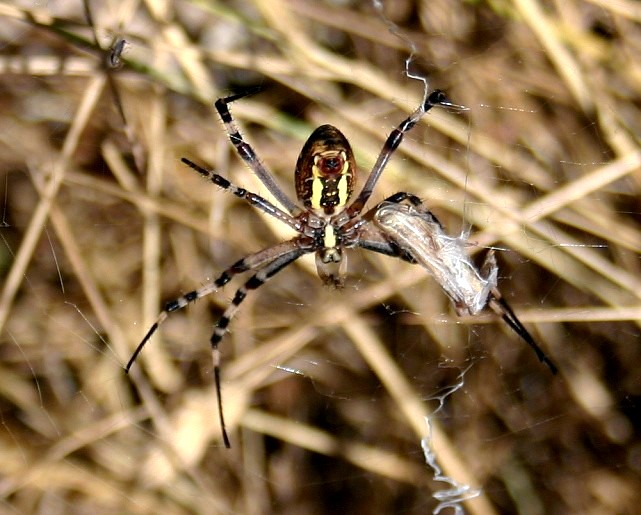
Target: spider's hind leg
x,y
263,258
254,282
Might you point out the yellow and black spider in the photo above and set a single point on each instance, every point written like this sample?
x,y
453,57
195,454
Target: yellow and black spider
x,y
329,222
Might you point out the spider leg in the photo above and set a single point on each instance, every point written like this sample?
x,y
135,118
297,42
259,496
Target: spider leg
x,y
254,282
359,222
255,200
251,262
503,309
247,153
435,98
361,232
399,197
387,248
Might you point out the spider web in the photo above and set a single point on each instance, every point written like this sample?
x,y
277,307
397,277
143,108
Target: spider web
x,y
326,392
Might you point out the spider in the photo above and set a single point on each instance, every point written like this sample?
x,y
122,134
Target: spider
x,y
327,222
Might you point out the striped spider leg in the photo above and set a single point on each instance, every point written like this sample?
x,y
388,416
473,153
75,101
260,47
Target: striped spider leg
x,y
326,223
413,228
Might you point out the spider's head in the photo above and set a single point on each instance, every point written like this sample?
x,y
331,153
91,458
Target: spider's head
x,y
325,172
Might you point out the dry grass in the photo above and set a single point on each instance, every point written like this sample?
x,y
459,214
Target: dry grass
x,y
545,163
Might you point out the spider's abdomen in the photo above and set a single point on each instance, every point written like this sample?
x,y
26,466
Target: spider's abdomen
x,y
325,171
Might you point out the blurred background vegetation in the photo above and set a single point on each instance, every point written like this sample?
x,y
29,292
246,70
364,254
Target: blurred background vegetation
x,y
325,392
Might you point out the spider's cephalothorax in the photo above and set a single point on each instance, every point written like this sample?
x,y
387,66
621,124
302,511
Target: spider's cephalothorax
x,y
328,222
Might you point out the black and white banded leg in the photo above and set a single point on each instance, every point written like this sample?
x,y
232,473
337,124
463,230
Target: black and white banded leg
x,y
436,98
247,153
255,200
253,283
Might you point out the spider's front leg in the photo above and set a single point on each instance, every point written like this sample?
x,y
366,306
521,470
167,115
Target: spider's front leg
x,y
247,153
255,200
437,97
